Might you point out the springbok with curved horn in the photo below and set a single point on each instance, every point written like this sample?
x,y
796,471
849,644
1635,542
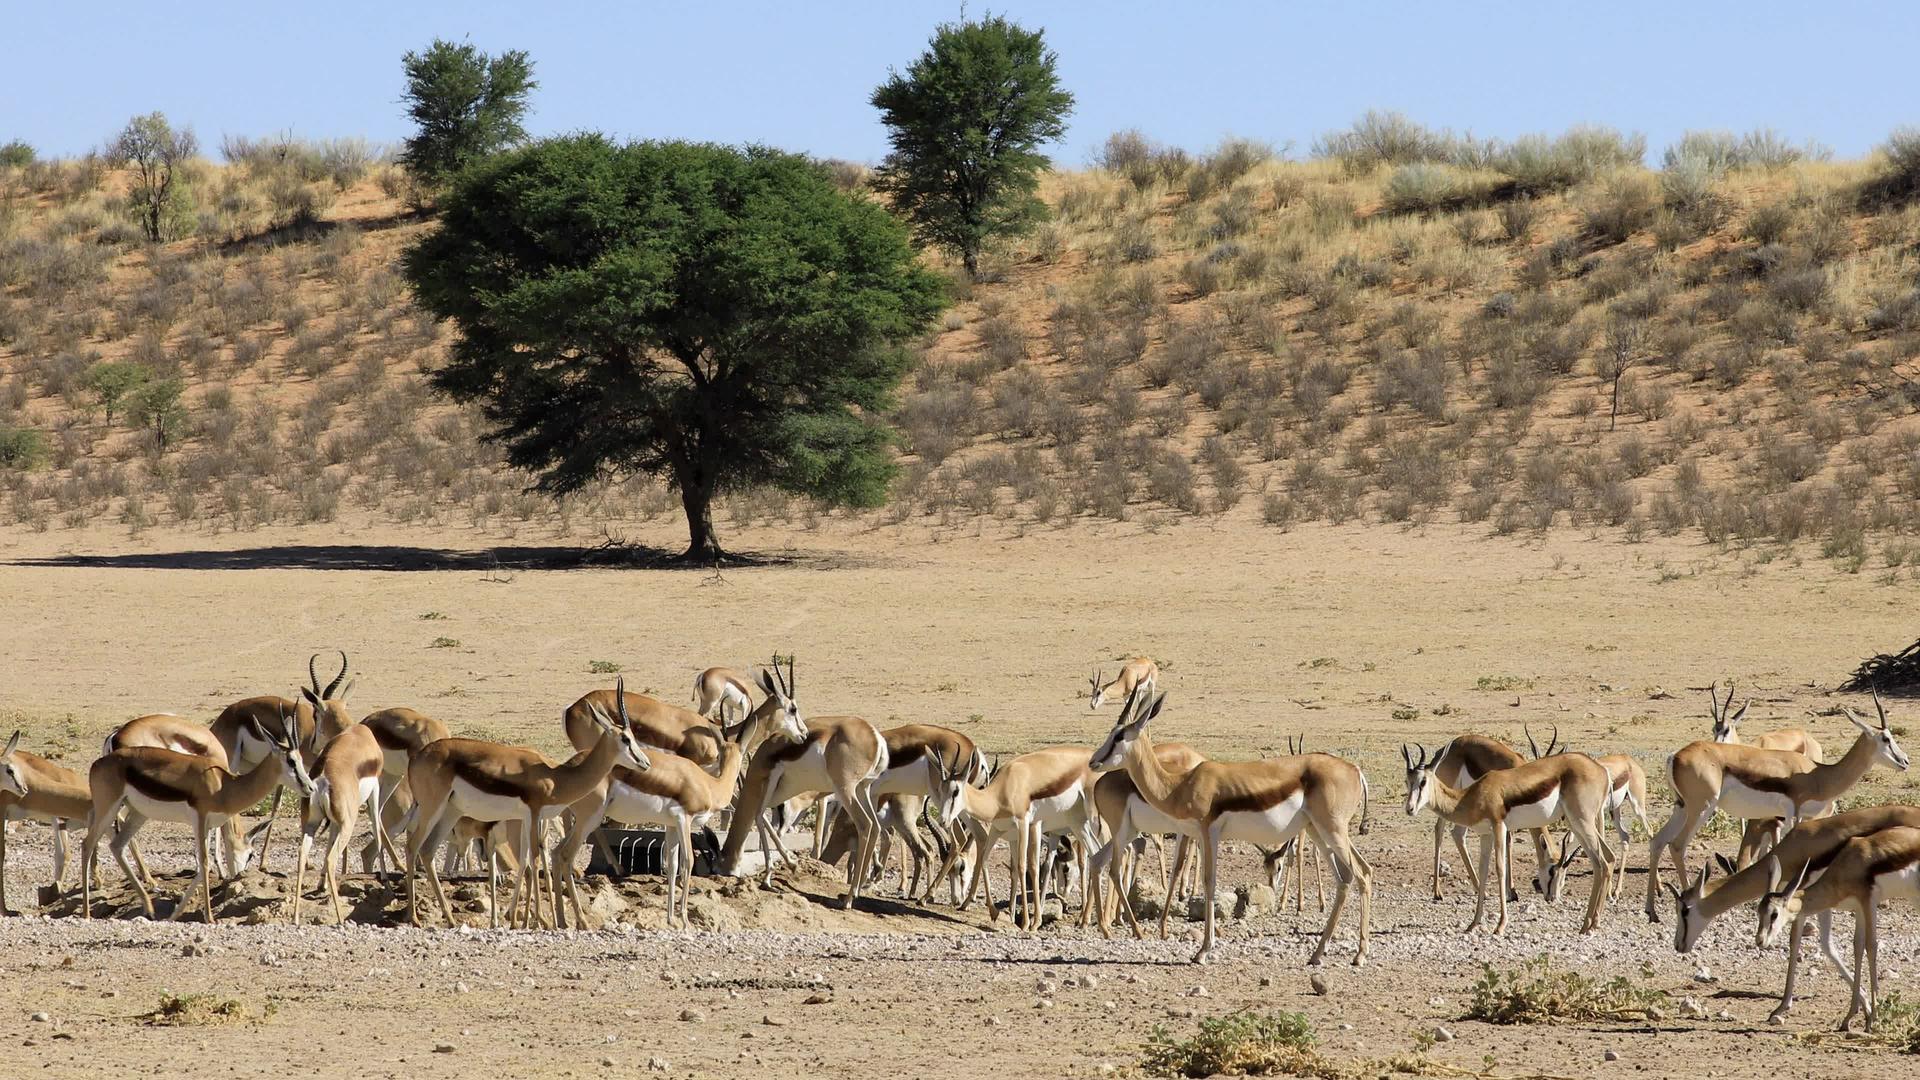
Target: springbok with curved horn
x,y
1129,820
917,756
1867,871
1463,760
1532,795
314,718
1033,796
1748,782
349,777
165,785
35,789
1137,673
1260,802
490,782
1726,728
840,754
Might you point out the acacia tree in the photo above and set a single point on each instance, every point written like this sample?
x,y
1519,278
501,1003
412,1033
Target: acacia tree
x,y
713,316
966,122
156,152
467,104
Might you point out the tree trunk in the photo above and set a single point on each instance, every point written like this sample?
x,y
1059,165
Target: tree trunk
x,y
703,544
971,260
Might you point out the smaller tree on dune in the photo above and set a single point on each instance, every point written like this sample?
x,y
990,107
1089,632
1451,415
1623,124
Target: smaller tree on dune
x,y
716,317
467,105
966,122
156,151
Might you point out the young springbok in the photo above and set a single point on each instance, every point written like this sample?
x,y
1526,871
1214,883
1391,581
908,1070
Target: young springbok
x,y
1258,802
1868,870
1463,760
1138,673
844,755
455,778
35,789
1726,728
166,785
1748,782
1532,795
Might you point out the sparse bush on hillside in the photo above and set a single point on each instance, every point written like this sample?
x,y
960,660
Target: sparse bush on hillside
x,y
17,154
1423,187
159,156
1899,180
1762,148
1623,206
1383,138
1538,165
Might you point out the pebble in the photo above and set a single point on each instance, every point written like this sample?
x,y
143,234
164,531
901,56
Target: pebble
x,y
606,1063
658,1064
40,1018
1610,1055
692,1016
1692,1009
1267,980
1441,1034
1043,1003
771,1020
443,1048
1088,982
1317,983
1346,1026
993,1021
1046,986
461,988
1703,974
1198,991
1180,1013
818,997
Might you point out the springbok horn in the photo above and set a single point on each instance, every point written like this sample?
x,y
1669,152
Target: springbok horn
x,y
793,680
337,679
779,676
620,699
1729,704
1531,745
1879,708
1554,742
314,676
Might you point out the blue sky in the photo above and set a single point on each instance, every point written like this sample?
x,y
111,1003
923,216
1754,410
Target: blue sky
x,y
797,75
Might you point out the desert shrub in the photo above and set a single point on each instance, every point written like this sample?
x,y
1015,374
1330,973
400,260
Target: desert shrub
x,y
1202,276
1231,160
1424,187
1382,138
1168,417
1239,1044
1690,191
1517,217
1623,206
1761,148
21,448
1899,178
1416,378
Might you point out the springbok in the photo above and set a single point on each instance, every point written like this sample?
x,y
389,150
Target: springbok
x,y
675,794
1813,842
840,754
400,734
1726,727
1033,796
1259,802
1463,760
315,718
35,789
455,778
1629,791
1129,819
1748,782
1868,869
917,755
1532,795
1139,672
722,691
652,721
349,777
166,785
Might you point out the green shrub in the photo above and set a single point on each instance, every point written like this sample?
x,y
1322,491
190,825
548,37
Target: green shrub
x,y
1534,993
16,155
1239,1044
21,448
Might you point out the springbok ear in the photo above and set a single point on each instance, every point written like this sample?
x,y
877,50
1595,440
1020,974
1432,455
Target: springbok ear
x,y
348,688
1773,874
1855,717
1672,888
1726,864
1740,714
310,697
12,744
1153,710
766,683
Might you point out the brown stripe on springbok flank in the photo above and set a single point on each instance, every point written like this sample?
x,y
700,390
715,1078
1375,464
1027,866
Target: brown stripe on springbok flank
x,y
1772,785
387,738
1257,801
1621,780
368,768
1058,785
1534,792
153,787
906,755
1892,863
483,781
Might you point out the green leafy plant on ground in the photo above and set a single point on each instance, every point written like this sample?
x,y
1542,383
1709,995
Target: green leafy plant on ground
x,y
1503,682
195,1010
1240,1044
603,667
1535,993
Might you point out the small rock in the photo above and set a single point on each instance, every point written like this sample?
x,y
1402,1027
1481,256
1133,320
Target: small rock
x,y
1723,1014
1088,982
1043,1003
658,1064
1266,980
1180,1013
606,1063
1610,1055
771,1020
191,949
1046,986
993,1021
1198,991
1436,1001
1317,983
1692,1009
41,1018
1107,1068
1346,1027
460,988
1703,974
443,1048
692,1016
1110,1005
818,997
1441,1034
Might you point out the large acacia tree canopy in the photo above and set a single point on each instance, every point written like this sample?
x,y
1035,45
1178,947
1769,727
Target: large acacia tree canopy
x,y
719,317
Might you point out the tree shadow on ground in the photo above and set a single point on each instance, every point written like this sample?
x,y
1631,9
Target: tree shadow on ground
x,y
405,558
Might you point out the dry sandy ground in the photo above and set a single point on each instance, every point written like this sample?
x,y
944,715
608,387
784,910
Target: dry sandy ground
x,y
1262,634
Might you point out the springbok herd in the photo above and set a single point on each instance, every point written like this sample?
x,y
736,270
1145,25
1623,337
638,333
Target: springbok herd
x,y
731,763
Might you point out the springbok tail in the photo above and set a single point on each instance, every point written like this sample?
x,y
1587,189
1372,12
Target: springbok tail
x,y
1366,799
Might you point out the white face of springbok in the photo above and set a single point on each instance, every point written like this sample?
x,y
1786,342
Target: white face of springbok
x,y
12,780
1099,695
631,755
1780,907
1113,750
1725,723
787,721
1420,779
1886,750
1691,921
286,744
